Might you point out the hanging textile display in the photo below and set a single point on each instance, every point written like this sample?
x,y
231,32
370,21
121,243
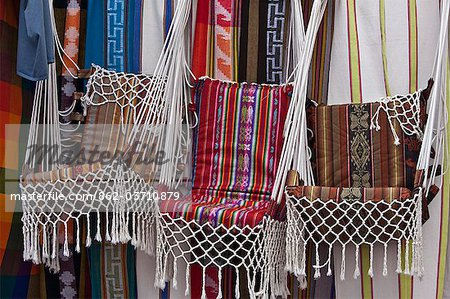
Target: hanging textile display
x,y
226,217
369,195
226,199
111,99
344,208
216,39
17,277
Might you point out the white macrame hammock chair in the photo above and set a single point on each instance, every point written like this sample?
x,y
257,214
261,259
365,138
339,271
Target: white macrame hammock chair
x,y
304,214
157,119
255,249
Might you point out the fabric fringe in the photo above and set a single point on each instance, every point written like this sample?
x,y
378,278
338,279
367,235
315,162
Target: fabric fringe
x,y
297,237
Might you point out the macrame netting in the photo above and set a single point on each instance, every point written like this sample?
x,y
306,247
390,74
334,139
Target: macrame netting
x,y
403,109
130,207
250,248
353,222
255,248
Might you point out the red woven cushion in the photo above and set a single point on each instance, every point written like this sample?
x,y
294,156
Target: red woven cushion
x,y
238,140
216,211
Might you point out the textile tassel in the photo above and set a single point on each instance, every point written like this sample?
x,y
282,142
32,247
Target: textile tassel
x,y
151,238
88,235
329,261
385,272
35,244
203,283
77,246
418,243
342,276
143,234
370,272
407,258
188,280
54,242
237,293
25,241
107,236
138,233
127,225
356,273
113,226
399,257
219,278
45,254
175,273
317,265
303,282
66,241
133,224
98,235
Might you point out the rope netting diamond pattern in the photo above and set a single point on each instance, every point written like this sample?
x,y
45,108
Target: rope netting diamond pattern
x,y
405,109
115,192
353,222
251,248
83,198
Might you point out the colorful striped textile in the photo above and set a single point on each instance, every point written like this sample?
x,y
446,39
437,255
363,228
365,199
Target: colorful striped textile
x,y
216,40
237,147
112,267
263,41
71,48
218,211
356,74
320,64
338,194
348,153
18,279
63,173
236,152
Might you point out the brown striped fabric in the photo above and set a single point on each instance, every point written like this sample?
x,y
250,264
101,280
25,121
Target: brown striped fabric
x,y
64,173
338,194
348,153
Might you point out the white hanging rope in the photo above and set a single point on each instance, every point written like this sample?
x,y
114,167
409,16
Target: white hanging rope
x,y
166,106
435,134
295,154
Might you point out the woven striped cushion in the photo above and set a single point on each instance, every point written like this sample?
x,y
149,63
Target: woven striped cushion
x,y
237,146
238,138
348,153
63,173
216,211
338,194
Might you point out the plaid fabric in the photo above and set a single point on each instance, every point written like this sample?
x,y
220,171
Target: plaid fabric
x,y
18,279
347,153
337,194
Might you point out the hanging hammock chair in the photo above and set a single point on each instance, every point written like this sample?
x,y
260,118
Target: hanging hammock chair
x,y
229,219
99,180
61,190
373,174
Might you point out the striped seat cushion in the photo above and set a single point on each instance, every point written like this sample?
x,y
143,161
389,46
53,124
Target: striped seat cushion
x,y
348,153
338,194
217,211
237,146
63,173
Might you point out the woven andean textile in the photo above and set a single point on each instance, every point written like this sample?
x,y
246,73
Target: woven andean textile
x,y
237,146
